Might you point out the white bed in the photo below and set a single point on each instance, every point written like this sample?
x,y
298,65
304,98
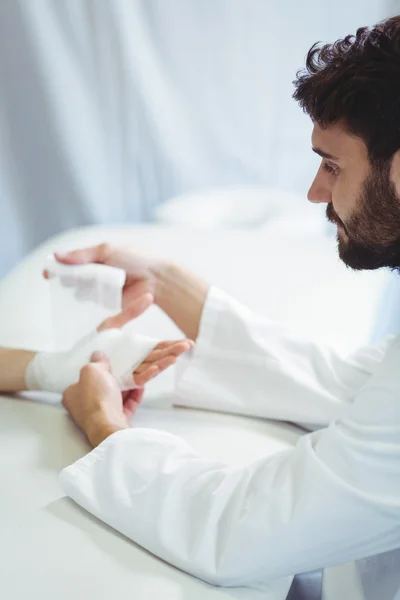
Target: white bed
x,y
49,548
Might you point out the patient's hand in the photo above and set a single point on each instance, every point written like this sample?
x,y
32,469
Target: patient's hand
x,y
132,365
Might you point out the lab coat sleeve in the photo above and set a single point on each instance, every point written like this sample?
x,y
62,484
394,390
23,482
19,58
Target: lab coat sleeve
x,y
246,364
333,498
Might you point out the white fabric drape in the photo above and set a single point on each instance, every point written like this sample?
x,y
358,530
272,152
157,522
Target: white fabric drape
x,y
109,108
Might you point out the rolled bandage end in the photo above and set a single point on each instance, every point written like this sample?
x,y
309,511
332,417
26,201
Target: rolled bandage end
x,y
126,354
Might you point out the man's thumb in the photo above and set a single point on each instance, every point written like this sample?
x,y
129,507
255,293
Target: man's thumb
x,y
134,310
101,359
95,254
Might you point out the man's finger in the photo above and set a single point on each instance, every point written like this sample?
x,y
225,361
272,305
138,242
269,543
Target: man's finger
x,y
166,362
174,349
100,359
163,345
156,356
147,374
153,370
132,291
136,308
94,254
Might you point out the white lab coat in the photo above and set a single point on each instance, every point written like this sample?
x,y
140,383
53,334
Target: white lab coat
x,y
333,498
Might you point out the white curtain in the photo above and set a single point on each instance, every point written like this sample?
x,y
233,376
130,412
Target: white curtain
x,y
108,108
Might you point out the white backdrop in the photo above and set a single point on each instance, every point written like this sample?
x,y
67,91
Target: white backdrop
x,y
108,108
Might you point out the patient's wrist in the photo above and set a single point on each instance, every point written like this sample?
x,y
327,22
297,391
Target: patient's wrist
x,y
13,367
32,372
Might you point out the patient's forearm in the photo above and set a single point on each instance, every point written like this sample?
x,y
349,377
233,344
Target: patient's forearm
x,y
13,364
181,296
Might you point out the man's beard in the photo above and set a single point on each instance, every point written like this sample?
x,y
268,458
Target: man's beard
x,y
370,239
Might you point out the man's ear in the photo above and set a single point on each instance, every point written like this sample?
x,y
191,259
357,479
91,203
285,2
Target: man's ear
x,y
395,172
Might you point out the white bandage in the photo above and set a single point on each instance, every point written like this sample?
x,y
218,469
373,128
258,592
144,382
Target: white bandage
x,y
81,297
99,284
55,371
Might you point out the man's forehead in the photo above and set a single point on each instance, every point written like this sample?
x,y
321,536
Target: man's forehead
x,y
337,142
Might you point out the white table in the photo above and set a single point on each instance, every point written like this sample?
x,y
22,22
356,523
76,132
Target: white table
x,y
49,547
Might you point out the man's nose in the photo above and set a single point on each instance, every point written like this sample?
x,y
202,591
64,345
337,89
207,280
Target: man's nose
x,y
319,192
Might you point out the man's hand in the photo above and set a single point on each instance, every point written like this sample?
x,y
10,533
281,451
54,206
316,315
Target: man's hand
x,y
96,403
164,355
178,293
141,270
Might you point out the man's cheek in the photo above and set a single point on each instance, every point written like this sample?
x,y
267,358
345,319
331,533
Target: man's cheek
x,y
341,207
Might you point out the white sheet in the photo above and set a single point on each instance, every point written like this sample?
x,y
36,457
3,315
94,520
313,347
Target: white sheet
x,y
297,284
50,541
299,510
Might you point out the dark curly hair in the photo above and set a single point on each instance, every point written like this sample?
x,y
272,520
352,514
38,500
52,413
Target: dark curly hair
x,y
356,81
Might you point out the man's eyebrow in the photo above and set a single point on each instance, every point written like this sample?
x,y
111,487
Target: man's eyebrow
x,y
324,154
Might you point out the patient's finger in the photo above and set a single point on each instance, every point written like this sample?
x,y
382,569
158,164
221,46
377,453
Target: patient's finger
x,y
136,308
132,399
137,394
126,395
129,408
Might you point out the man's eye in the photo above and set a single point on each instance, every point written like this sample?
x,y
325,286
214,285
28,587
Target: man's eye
x,y
329,168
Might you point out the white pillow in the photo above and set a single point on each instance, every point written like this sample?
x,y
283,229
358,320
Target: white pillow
x,y
235,206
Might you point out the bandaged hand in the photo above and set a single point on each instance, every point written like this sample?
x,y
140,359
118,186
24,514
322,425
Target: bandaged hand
x,y
96,403
133,359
